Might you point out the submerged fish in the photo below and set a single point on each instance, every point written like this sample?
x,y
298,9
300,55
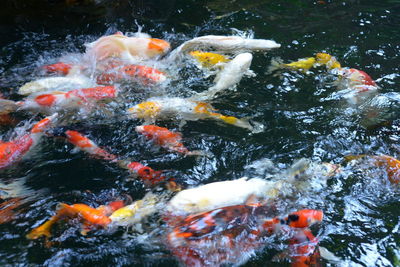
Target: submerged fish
x,y
302,64
228,235
208,59
58,68
165,138
182,109
85,144
391,165
229,76
146,75
15,150
91,217
129,48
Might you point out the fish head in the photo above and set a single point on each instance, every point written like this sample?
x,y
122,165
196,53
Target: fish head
x,y
157,47
145,110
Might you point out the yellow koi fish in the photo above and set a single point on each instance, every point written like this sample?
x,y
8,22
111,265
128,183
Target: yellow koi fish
x,y
208,59
329,61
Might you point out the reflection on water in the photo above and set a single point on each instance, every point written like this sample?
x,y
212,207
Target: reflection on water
x,y
303,115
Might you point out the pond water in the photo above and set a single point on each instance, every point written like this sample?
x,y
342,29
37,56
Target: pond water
x,y
302,116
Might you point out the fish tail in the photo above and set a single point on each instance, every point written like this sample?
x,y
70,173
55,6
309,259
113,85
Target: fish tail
x,y
42,230
276,64
7,106
353,157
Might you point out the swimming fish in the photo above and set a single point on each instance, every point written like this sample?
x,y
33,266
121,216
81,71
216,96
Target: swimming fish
x,y
233,44
15,150
226,235
58,68
74,99
208,59
146,75
392,165
183,109
229,76
302,249
128,48
357,79
145,173
303,64
218,194
85,144
90,217
56,84
163,137
329,61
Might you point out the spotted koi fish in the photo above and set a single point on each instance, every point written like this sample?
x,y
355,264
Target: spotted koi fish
x,y
119,45
91,217
391,165
217,237
165,138
184,109
13,151
146,75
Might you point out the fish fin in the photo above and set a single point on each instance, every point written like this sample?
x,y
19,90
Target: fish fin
x,y
327,255
276,64
353,157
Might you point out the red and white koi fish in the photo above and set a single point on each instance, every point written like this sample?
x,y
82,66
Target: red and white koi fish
x,y
229,234
303,249
146,174
165,138
91,217
58,68
183,109
146,75
74,99
85,144
128,48
15,150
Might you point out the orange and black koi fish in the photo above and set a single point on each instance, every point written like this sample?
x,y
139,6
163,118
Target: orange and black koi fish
x,y
15,150
91,217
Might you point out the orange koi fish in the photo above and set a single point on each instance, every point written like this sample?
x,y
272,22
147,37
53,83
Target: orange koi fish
x,y
90,217
58,68
119,45
85,144
165,138
228,234
391,165
15,150
146,75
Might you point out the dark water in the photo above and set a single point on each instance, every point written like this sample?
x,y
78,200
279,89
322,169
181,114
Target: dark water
x,y
301,119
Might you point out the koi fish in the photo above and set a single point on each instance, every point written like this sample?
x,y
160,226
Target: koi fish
x,y
208,59
85,144
15,150
144,74
146,174
165,138
58,68
119,45
329,61
233,44
138,210
229,76
78,98
217,237
56,84
391,165
303,64
183,109
358,79
218,194
90,217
